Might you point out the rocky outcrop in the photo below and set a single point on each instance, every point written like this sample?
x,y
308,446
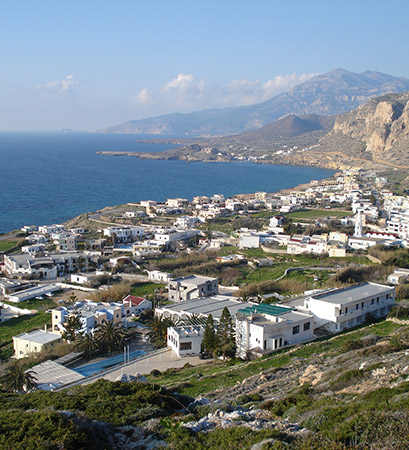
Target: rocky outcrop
x,y
377,131
255,419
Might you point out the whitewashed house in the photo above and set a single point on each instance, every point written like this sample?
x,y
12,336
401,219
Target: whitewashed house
x,y
264,328
191,287
399,275
185,340
339,309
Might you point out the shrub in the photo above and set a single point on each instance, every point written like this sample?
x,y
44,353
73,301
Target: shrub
x,y
347,378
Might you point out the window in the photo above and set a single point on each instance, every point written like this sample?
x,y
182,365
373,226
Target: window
x,y
296,329
372,301
356,306
362,305
186,345
346,309
307,326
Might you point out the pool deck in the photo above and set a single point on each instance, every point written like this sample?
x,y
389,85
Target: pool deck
x,y
161,360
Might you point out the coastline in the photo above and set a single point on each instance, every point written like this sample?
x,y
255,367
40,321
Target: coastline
x,y
75,179
85,214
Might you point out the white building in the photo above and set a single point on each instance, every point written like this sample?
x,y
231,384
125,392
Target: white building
x,y
27,264
33,249
187,222
264,328
399,274
36,239
92,315
177,202
33,292
51,229
249,240
202,307
399,224
185,340
158,276
46,267
135,305
29,228
148,203
191,287
217,198
339,309
307,244
234,205
276,224
167,236
82,278
363,243
124,233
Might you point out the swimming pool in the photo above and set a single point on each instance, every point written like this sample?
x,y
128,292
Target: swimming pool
x,y
93,368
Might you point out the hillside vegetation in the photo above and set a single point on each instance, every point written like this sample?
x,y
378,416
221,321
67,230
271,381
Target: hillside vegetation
x,y
347,392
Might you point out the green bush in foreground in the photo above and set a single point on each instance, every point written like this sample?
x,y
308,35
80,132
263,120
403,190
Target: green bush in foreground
x,y
45,430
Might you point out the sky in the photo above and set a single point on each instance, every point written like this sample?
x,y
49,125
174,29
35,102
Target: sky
x,y
87,65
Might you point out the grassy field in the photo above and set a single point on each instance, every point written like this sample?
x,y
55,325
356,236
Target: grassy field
x,y
317,214
147,288
39,304
5,246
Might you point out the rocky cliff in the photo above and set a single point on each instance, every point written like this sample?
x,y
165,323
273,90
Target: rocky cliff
x,y
377,131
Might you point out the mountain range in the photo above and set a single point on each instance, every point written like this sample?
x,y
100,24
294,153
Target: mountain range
x,y
327,94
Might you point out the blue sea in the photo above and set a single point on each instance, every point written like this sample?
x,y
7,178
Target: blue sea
x,y
50,177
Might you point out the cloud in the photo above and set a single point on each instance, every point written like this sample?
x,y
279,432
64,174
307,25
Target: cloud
x,y
144,96
187,92
247,92
184,89
59,87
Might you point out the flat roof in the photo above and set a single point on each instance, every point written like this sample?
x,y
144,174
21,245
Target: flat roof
x,y
6,282
264,308
37,290
194,279
207,305
189,330
352,293
51,375
39,337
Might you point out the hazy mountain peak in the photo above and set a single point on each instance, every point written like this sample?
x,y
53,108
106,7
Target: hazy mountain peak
x,y
330,93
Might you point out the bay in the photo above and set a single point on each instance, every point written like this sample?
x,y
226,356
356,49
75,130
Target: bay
x,y
49,177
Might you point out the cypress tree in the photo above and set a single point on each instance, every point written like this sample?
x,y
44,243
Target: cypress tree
x,y
225,334
209,336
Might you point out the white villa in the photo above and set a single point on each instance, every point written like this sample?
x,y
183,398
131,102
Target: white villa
x,y
263,328
185,340
339,309
124,233
193,286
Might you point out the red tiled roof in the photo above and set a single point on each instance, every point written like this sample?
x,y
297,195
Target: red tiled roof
x,y
133,300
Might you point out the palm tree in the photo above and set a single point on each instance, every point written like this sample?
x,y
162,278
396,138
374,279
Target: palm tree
x,y
110,335
18,379
87,344
159,330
